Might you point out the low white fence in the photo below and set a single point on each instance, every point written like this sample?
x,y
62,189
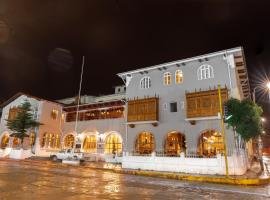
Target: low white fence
x,y
1,153
5,152
237,163
20,153
110,158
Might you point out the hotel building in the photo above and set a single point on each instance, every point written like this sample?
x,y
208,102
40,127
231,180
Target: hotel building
x,y
170,110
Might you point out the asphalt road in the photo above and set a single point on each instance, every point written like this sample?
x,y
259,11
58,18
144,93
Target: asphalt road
x,y
40,180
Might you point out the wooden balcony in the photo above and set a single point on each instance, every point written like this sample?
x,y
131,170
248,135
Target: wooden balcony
x,y
204,103
110,113
143,110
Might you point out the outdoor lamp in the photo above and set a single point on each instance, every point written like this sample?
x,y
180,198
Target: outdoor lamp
x,y
268,85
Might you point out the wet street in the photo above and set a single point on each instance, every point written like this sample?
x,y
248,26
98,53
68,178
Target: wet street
x,y
53,181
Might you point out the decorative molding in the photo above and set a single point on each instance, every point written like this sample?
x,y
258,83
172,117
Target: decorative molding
x,y
228,51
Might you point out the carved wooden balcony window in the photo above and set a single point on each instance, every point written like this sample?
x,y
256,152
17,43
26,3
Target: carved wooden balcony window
x,y
143,109
204,103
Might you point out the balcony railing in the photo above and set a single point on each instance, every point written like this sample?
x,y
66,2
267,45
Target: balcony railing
x,y
111,113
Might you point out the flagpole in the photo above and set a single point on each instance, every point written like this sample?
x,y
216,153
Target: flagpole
x,y
79,99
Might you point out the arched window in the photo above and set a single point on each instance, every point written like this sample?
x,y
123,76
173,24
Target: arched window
x,y
15,142
69,141
32,138
4,141
167,78
145,82
90,144
210,143
205,72
145,143
178,76
50,141
113,144
175,144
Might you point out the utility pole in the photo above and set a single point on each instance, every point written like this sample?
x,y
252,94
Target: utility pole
x,y
223,130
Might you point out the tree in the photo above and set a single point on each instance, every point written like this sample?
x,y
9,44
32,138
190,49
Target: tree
x,y
245,118
23,122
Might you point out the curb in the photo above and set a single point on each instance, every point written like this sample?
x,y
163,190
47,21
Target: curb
x,y
182,177
219,180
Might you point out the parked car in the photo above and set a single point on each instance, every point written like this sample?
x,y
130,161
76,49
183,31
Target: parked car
x,y
67,154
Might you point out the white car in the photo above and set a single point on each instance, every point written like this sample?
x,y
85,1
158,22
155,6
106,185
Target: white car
x,y
68,154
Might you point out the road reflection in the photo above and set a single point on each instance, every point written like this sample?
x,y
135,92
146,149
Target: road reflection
x,y
55,181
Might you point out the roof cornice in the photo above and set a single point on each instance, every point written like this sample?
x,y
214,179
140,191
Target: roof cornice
x,y
233,50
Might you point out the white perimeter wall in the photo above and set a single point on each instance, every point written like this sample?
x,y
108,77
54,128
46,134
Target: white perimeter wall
x,y
237,164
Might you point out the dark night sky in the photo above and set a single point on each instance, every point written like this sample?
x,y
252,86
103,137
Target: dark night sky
x,y
120,35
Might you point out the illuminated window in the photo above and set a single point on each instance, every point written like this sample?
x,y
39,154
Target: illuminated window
x,y
69,141
13,112
175,144
113,144
178,76
145,82
54,114
210,143
50,141
43,140
90,144
63,117
15,142
167,78
145,143
205,72
57,141
4,141
32,138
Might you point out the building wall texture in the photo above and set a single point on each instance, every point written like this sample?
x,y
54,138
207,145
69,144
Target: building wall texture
x,y
224,75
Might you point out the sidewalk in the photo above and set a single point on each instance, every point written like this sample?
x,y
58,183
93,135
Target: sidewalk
x,y
249,178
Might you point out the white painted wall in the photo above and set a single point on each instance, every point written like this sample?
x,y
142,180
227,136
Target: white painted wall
x,y
100,128
237,164
20,154
49,125
42,110
34,103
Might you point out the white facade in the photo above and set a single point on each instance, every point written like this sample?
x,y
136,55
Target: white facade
x,y
51,135
105,138
238,164
174,107
42,112
100,130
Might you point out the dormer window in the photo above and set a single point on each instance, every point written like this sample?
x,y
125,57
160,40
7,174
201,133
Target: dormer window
x,y
178,76
205,72
167,78
145,82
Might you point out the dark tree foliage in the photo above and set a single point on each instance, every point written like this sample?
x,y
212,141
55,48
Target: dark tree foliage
x,y
244,118
23,121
